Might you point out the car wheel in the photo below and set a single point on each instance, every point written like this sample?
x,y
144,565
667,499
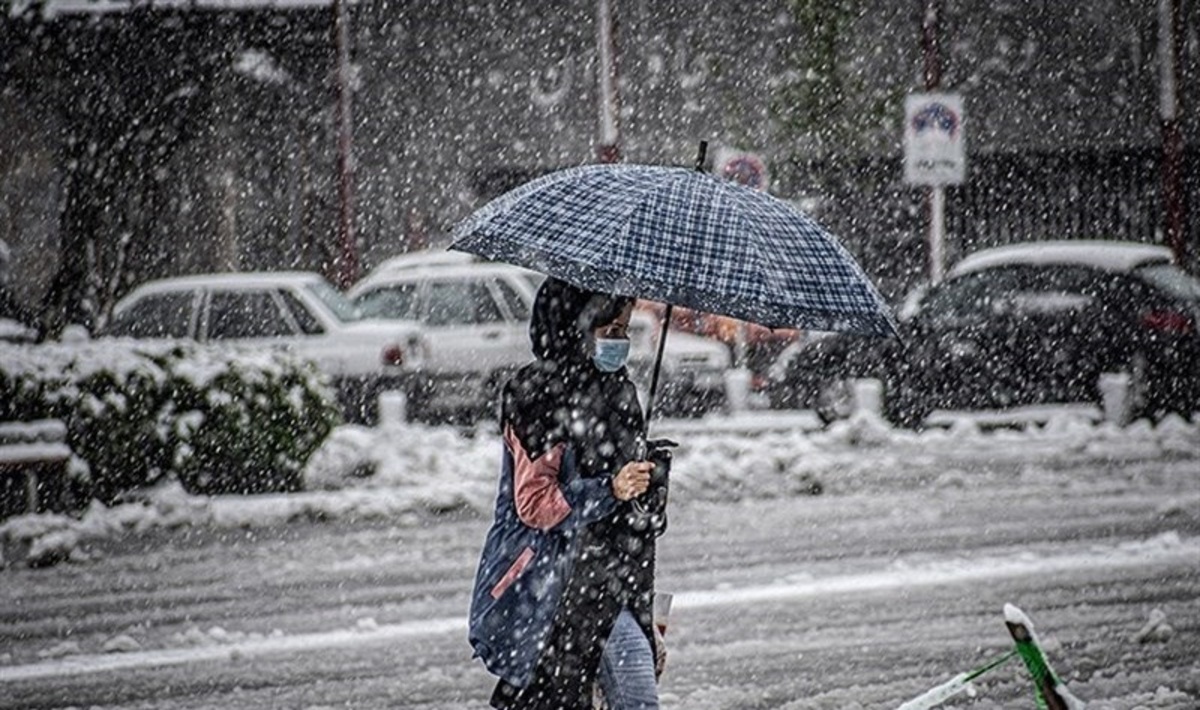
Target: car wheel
x,y
493,390
904,406
417,407
834,400
783,396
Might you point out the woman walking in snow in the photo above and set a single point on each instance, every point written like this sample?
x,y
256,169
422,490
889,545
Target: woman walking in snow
x,y
564,591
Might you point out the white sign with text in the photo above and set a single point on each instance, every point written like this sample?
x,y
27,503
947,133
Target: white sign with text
x,y
934,150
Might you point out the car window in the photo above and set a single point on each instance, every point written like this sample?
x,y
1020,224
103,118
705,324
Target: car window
x,y
1171,279
967,297
309,324
165,315
461,302
245,314
390,301
342,308
517,304
1052,291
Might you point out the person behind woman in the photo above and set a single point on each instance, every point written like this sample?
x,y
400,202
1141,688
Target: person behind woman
x,y
564,590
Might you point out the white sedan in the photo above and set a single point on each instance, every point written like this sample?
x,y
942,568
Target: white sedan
x,y
297,311
475,320
692,379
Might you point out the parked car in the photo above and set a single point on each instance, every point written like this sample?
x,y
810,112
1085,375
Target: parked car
x,y
692,377
475,317
1019,325
759,345
298,311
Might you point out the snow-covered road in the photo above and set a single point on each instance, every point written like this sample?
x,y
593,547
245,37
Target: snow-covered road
x,y
889,582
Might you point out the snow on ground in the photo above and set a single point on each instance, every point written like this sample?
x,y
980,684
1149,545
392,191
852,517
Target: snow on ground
x,y
1089,526
405,473
123,652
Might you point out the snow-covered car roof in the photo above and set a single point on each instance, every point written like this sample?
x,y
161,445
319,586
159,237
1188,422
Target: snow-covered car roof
x,y
449,269
234,280
427,257
644,332
426,271
1099,254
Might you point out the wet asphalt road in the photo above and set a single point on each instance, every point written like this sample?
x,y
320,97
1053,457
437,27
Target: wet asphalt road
x,y
844,600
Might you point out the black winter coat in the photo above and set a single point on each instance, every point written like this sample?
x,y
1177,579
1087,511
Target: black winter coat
x,y
563,398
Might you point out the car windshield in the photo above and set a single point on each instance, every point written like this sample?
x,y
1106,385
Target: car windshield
x,y
342,308
397,300
1173,280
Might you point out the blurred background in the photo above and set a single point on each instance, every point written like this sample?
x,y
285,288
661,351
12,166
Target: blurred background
x,y
148,139
158,138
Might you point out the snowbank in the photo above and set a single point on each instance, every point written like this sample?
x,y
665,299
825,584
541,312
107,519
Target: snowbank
x,y
407,473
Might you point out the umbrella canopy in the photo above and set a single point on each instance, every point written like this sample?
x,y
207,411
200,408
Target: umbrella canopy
x,y
681,237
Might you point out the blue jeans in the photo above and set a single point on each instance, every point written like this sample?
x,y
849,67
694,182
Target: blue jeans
x,y
627,667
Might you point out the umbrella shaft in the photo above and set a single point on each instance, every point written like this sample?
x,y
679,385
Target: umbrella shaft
x,y
662,343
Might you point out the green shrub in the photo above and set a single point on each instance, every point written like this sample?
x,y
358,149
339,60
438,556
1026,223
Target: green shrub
x,y
220,421
250,427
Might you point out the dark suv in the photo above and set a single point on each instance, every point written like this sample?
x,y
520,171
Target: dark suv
x,y
1022,325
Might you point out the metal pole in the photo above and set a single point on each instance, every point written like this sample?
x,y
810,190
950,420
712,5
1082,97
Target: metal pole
x,y
609,149
1172,136
662,344
937,233
935,196
929,44
346,262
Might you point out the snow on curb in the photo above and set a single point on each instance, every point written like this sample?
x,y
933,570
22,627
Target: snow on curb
x,y
404,473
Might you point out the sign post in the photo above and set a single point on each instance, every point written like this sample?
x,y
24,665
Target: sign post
x,y
934,155
609,150
749,169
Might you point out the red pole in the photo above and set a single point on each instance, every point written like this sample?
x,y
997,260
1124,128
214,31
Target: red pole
x,y
929,44
346,262
609,148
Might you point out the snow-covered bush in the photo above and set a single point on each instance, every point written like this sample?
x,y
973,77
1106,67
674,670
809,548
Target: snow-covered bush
x,y
218,420
251,426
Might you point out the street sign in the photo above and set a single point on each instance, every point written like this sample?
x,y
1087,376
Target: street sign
x,y
748,169
934,152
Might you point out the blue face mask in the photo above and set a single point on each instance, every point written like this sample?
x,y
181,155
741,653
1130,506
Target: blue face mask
x,y
611,354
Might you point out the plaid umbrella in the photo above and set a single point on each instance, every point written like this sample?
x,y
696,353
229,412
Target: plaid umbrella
x,y
681,237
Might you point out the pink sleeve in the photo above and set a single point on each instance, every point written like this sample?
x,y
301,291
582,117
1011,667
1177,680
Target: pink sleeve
x,y
539,502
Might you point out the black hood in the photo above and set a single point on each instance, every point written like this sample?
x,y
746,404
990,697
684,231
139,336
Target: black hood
x,y
564,316
563,396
